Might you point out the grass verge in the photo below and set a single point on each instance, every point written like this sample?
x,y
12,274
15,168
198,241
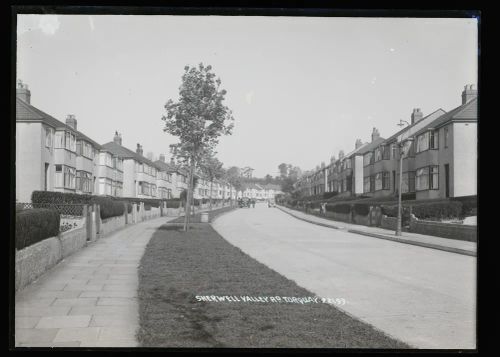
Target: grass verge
x,y
178,266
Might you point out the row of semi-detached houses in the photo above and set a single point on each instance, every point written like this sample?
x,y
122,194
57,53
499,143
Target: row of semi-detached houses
x,y
441,160
55,156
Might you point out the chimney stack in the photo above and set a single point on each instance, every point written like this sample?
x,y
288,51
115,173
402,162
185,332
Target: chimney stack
x,y
139,149
23,92
375,134
358,144
468,94
71,121
117,139
341,154
416,116
162,157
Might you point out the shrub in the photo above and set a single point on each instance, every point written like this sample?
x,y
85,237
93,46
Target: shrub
x,y
362,209
175,203
431,210
35,225
328,195
60,197
438,210
469,205
338,208
109,207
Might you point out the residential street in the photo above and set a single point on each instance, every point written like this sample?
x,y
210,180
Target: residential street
x,y
422,296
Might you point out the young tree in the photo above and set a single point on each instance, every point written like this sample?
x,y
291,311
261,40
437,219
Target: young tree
x,y
212,168
198,119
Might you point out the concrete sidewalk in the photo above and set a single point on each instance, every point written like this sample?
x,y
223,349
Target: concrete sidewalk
x,y
90,298
445,244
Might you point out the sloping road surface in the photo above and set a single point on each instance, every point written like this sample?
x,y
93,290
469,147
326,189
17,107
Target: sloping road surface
x,y
422,296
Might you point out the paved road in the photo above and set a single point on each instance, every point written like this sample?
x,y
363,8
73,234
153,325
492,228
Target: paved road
x,y
422,296
89,299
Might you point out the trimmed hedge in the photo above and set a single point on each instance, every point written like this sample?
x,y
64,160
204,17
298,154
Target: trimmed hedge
x,y
339,208
426,210
60,197
362,209
174,203
35,225
109,207
469,205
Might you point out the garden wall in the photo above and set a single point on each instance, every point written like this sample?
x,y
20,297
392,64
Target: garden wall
x,y
444,230
389,222
111,224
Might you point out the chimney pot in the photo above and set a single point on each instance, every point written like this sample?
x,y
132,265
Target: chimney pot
x,y
23,92
416,116
71,121
118,138
468,94
375,134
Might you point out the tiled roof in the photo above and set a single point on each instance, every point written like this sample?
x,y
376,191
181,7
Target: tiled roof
x,y
395,136
27,112
355,151
125,153
465,112
164,166
371,146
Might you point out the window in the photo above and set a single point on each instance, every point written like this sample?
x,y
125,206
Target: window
x,y
69,177
48,137
372,183
386,152
422,179
423,142
59,140
145,188
434,177
408,182
386,180
378,181
393,151
433,140
70,141
367,158
366,184
378,154
446,137
84,181
59,177
153,190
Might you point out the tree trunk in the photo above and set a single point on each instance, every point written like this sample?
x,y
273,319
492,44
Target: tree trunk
x,y
188,198
210,204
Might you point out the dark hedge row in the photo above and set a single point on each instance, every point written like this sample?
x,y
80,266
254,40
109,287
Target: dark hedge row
x,y
427,210
35,225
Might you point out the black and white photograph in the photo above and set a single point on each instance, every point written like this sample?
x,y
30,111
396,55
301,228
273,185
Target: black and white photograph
x,y
250,181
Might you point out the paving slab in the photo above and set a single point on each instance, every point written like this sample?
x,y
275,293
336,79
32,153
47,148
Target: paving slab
x,y
88,299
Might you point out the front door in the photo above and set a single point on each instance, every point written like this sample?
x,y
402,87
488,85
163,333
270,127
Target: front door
x,y
447,179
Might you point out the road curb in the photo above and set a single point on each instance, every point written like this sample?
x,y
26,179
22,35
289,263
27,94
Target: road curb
x,y
394,239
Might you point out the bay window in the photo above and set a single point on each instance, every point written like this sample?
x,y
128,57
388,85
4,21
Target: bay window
x,y
386,180
408,182
434,177
422,179
367,158
48,137
423,142
366,184
378,181
59,140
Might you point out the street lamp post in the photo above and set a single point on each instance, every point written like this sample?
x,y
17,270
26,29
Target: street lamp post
x,y
401,153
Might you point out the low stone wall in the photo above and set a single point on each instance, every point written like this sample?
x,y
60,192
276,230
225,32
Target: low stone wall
x,y
33,261
444,230
109,225
72,241
364,220
388,222
342,217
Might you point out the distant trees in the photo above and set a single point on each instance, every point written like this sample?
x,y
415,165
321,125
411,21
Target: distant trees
x,y
289,175
212,168
198,119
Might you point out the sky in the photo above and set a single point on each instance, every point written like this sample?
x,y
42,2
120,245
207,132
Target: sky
x,y
300,88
